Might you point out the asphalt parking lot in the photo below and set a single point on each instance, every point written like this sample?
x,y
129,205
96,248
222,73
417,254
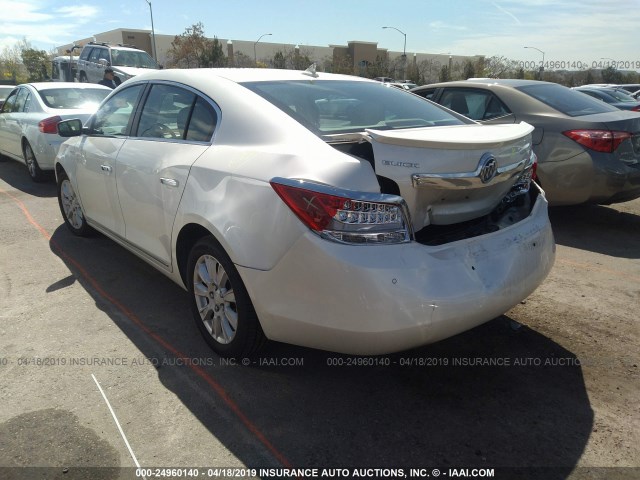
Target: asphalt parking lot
x,y
102,369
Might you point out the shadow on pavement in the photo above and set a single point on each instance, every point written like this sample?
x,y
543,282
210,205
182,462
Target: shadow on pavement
x,y
598,229
16,175
492,397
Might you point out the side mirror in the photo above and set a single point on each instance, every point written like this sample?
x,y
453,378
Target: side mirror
x,y
103,62
70,128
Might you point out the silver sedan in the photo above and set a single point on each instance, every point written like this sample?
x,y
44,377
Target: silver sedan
x,y
30,115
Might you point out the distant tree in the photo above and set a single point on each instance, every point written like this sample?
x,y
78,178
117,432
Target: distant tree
x,y
479,66
279,61
216,54
469,70
499,67
445,75
192,49
589,78
520,73
379,68
36,62
341,64
298,60
11,66
395,69
242,60
413,73
611,75
428,71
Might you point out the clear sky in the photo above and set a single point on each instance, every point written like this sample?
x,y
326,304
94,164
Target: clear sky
x,y
584,30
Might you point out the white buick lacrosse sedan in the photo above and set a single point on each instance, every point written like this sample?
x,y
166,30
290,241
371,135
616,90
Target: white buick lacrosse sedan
x,y
321,210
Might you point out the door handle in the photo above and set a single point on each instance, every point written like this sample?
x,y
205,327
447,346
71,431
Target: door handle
x,y
169,182
105,168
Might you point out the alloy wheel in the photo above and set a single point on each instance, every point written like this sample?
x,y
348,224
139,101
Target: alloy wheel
x,y
215,299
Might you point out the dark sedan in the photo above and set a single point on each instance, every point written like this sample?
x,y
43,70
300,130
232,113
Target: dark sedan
x,y
588,151
617,97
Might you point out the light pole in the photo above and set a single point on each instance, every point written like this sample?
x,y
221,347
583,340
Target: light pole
x,y
404,50
153,32
255,57
541,66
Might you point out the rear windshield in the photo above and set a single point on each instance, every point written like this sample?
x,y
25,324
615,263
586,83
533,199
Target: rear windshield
x,y
565,100
332,107
64,98
621,96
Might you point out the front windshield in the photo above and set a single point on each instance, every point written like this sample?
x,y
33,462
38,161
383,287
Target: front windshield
x,y
330,107
73,98
131,58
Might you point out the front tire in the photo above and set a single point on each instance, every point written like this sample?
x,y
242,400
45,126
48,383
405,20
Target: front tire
x,y
220,302
83,78
70,207
35,172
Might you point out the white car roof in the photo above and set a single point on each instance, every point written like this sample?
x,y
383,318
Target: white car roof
x,y
48,85
240,75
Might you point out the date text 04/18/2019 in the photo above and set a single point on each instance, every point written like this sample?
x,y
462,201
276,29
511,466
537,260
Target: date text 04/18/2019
x,y
579,64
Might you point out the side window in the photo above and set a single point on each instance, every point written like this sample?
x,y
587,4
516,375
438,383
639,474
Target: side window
x,y
202,122
84,55
21,100
10,102
164,112
495,108
95,54
428,94
114,116
27,103
475,104
104,55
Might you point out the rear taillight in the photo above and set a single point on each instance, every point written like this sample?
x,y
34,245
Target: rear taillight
x,y
636,109
606,141
49,125
346,216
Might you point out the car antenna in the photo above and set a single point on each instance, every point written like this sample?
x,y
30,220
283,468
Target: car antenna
x,y
311,71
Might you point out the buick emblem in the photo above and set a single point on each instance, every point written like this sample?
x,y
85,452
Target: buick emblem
x,y
488,168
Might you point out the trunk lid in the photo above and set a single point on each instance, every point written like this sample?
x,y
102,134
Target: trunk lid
x,y
452,174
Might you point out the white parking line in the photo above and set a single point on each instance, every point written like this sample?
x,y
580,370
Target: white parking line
x,y
113,414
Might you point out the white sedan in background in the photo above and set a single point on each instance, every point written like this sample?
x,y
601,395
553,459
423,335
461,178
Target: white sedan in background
x,y
320,210
29,117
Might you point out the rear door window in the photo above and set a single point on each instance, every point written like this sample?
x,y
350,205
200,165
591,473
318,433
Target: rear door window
x,y
21,100
427,93
476,104
172,112
165,112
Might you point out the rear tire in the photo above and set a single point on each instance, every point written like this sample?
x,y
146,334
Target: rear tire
x,y
220,302
36,174
70,207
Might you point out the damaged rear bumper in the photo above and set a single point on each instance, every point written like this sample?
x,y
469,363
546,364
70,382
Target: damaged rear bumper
x,y
380,299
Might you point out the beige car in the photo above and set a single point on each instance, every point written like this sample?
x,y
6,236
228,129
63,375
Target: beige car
x,y
588,151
